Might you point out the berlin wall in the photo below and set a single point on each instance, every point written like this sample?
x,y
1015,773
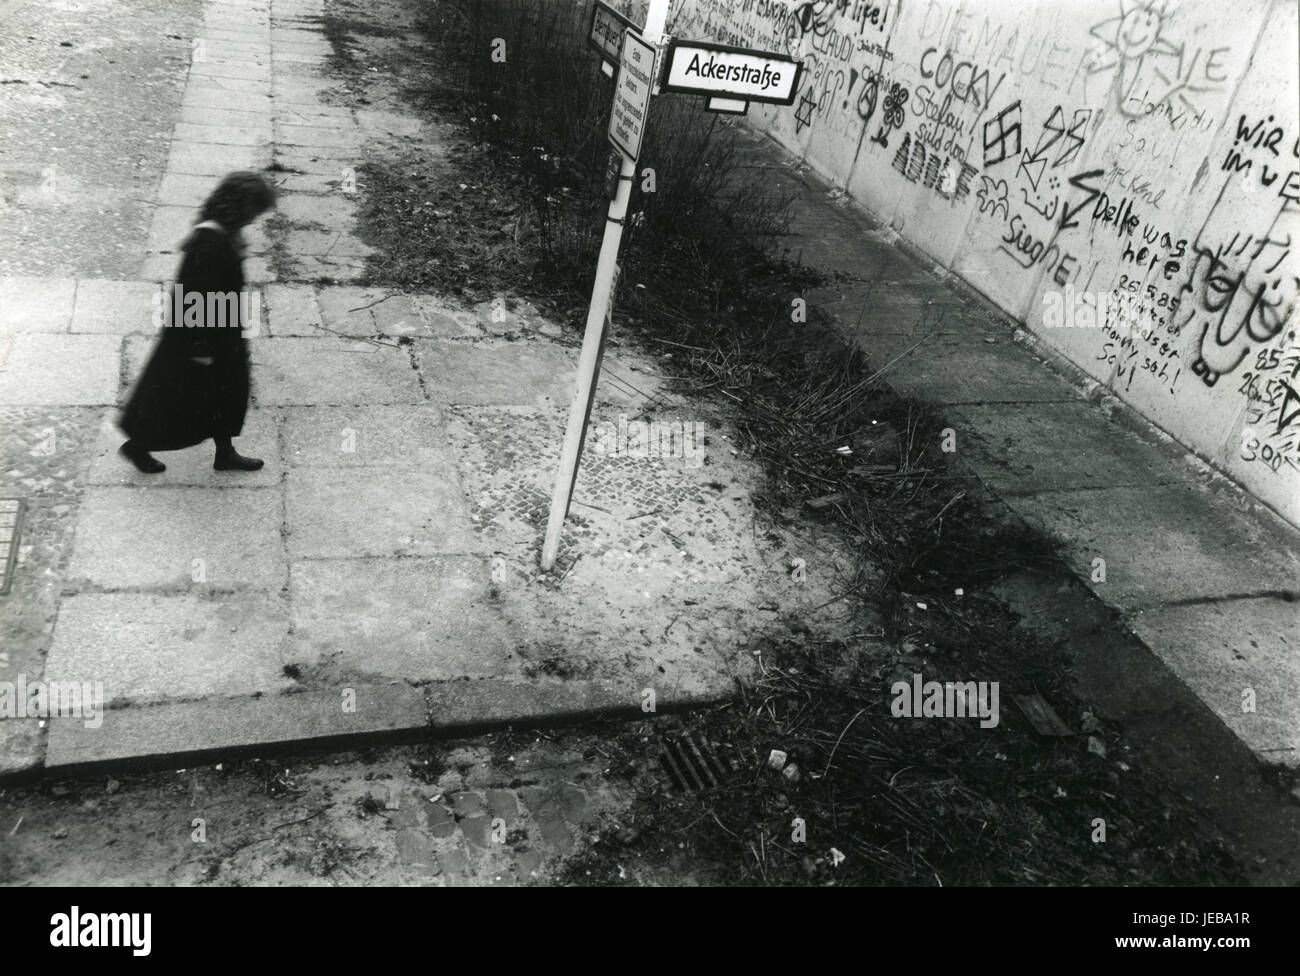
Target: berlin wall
x,y
1123,178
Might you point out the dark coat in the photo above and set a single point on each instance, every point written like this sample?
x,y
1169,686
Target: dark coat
x,y
179,403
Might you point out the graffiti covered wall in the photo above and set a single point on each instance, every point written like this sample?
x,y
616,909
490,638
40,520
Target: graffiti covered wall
x,y
1122,176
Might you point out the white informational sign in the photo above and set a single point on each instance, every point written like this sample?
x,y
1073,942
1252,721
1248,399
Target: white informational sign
x,y
636,72
697,68
605,35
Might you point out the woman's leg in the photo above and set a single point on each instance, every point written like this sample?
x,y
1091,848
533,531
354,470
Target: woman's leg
x,y
228,459
144,462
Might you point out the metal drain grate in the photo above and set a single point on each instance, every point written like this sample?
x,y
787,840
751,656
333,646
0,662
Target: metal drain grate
x,y
694,765
11,524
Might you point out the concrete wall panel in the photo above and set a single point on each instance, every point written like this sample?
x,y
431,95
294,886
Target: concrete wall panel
x,y
1138,160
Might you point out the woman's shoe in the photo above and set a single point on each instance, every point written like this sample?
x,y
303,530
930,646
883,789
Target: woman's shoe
x,y
232,460
144,462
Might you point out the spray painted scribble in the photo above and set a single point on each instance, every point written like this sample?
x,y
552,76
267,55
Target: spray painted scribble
x,y
1146,150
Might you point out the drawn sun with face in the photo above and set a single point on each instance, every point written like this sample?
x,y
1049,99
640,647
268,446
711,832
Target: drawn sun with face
x,y
1124,41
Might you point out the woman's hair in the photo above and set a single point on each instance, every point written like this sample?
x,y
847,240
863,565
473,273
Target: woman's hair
x,y
237,200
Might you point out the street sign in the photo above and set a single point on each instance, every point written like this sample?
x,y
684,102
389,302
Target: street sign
x,y
636,75
627,119
728,106
605,35
737,73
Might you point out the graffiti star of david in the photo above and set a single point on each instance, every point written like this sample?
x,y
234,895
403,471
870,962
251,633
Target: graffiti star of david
x,y
803,114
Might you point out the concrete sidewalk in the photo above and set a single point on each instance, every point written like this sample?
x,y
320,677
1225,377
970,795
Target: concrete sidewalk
x,y
378,578
1208,579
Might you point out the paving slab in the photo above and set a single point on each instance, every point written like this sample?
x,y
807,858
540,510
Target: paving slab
x,y
310,183
393,123
332,370
117,307
228,114
958,369
22,745
146,648
426,316
350,437
213,66
345,513
158,267
1024,448
325,244
330,136
214,159
532,374
179,538
1242,659
331,268
297,158
169,227
233,85
192,466
335,211
193,732
348,309
182,190
59,370
230,135
414,619
1161,545
292,310
35,304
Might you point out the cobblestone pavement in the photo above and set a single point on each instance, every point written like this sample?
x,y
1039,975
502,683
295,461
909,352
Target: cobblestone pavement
x,y
498,810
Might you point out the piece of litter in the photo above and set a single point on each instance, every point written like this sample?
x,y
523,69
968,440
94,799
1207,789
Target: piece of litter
x,y
1041,716
922,606
990,339
1088,723
621,872
823,500
1123,767
1096,746
791,773
776,758
1060,792
113,786
845,451
836,857
959,591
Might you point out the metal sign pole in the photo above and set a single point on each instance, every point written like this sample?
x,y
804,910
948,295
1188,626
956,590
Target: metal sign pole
x,y
597,311
595,383
588,360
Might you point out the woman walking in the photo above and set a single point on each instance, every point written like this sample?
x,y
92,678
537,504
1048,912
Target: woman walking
x,y
196,383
